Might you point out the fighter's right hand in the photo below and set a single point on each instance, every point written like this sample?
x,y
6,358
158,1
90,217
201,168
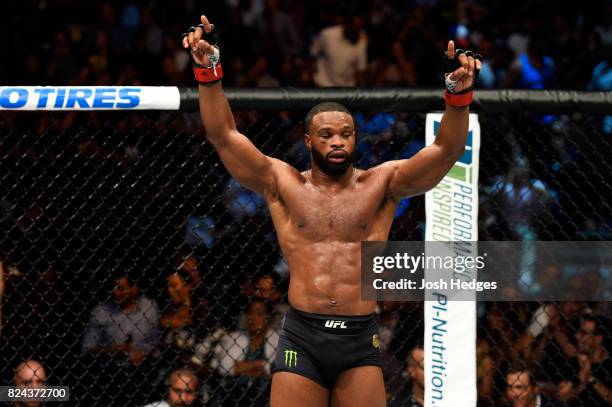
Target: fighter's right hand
x,y
201,43
200,49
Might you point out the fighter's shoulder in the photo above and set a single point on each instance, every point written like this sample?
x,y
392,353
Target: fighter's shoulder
x,y
284,171
380,172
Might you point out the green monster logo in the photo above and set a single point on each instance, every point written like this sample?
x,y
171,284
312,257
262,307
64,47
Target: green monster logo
x,y
290,358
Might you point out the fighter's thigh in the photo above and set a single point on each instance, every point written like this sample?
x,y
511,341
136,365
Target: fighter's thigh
x,y
290,389
360,386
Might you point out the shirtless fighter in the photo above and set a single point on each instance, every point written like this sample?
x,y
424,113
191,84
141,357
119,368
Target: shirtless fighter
x,y
328,350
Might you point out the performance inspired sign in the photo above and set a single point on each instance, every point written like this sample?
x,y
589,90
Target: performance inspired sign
x,y
89,98
450,326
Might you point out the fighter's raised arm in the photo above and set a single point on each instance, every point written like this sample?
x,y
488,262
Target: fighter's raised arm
x,y
426,169
241,158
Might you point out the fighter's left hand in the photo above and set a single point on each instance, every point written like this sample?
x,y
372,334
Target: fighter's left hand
x,y
462,69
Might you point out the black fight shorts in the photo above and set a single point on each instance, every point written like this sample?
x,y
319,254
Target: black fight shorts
x,y
320,347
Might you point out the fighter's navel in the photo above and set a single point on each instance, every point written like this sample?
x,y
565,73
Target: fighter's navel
x,y
300,224
363,225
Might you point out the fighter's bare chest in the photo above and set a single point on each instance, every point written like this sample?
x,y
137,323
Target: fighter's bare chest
x,y
318,213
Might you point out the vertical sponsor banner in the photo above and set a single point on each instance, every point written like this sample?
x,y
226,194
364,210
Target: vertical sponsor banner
x,y
450,326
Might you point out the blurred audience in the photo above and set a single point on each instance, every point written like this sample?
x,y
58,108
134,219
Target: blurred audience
x,y
270,43
244,358
532,69
182,390
274,43
601,80
522,391
413,393
118,342
30,374
127,327
341,53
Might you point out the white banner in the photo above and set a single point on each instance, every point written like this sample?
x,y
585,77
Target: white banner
x,y
89,98
450,326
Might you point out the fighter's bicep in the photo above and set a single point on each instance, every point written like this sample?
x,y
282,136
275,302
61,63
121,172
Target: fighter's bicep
x,y
420,173
246,163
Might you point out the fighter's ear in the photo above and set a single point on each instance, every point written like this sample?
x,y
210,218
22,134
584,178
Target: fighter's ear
x,y
308,141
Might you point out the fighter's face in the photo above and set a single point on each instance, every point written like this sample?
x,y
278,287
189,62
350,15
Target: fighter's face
x,y
331,141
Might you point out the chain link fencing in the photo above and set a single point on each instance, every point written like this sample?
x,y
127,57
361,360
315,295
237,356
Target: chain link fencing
x,y
129,252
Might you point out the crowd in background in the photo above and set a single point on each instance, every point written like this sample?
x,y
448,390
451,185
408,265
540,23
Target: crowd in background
x,y
96,204
533,44
130,348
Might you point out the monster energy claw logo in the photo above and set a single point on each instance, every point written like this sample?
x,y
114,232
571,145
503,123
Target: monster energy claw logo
x,y
290,358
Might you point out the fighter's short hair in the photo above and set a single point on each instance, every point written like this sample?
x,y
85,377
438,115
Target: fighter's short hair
x,y
324,107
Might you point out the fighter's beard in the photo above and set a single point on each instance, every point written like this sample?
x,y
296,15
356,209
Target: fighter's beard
x,y
329,168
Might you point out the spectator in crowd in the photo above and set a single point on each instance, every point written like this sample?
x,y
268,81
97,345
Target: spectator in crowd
x,y
277,33
537,345
522,391
416,42
188,335
241,202
62,66
376,132
128,325
500,333
188,262
533,69
601,79
526,204
408,332
182,390
35,309
540,320
118,340
524,201
245,359
178,336
487,360
341,53
267,289
589,382
179,292
383,70
413,395
388,320
30,374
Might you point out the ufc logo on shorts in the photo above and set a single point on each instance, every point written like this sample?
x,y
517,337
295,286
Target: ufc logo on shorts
x,y
330,323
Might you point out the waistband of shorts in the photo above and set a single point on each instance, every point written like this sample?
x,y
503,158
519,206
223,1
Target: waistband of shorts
x,y
334,323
